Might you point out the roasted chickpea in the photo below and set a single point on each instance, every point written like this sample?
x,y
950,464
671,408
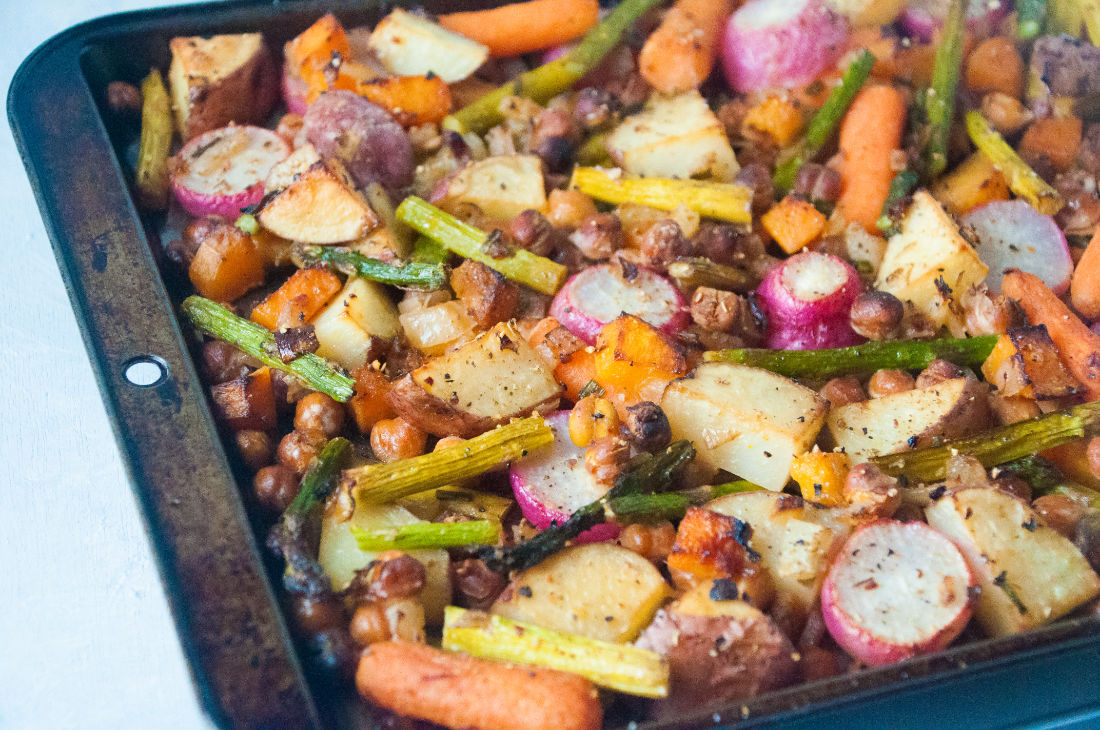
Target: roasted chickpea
x,y
392,439
1014,485
478,585
123,97
298,448
888,382
368,625
315,614
1059,513
319,412
447,441
647,426
937,372
254,447
276,486
877,315
843,391
653,542
569,208
605,458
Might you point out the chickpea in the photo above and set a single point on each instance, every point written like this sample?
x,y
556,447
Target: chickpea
x,y
647,426
476,583
368,625
448,441
1005,113
843,391
605,458
319,412
315,614
392,439
405,619
569,208
877,315
1059,513
818,663
888,382
298,448
255,448
1014,485
592,417
937,372
123,97
396,575
275,486
652,542
757,178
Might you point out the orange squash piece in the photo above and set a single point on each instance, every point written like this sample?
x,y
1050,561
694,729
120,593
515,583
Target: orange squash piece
x,y
296,302
634,361
793,223
246,403
707,545
820,476
227,264
312,49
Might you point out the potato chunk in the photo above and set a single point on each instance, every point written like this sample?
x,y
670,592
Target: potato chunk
x,y
222,79
320,205
409,45
502,187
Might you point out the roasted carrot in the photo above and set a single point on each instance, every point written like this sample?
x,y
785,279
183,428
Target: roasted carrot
x,y
461,691
524,27
1084,287
869,134
297,300
413,100
680,54
1078,346
995,65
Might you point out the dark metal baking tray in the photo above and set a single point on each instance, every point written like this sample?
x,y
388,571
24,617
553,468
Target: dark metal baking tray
x,y
206,533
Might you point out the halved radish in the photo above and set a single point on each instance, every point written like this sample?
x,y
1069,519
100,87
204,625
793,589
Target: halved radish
x,y
781,43
922,18
1012,234
601,293
222,171
554,484
896,590
806,300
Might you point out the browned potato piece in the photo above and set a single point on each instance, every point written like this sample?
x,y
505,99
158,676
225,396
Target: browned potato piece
x,y
910,419
320,206
486,382
718,651
488,296
1035,368
222,79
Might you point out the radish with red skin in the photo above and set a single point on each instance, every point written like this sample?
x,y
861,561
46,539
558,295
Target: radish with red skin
x,y
222,171
922,18
897,590
1012,234
781,43
295,90
807,300
600,293
554,483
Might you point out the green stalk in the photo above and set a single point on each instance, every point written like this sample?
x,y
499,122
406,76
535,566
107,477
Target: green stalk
x,y
620,667
1023,181
1065,16
648,473
825,121
318,480
412,275
427,251
151,176
693,272
865,358
593,151
541,274
381,483
1031,15
428,536
997,446
547,81
1046,478
257,341
671,505
723,201
945,81
902,184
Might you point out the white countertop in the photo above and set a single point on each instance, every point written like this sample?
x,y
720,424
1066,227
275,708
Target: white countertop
x,y
87,638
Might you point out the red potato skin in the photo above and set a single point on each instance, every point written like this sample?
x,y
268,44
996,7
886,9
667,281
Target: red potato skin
x,y
874,650
460,691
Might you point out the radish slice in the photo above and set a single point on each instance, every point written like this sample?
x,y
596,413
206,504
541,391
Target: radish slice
x,y
1012,234
295,90
222,171
807,299
784,43
922,18
896,590
600,293
554,484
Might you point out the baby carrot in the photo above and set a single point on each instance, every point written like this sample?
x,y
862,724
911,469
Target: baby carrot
x,y
1078,346
869,134
1084,288
460,691
680,54
524,27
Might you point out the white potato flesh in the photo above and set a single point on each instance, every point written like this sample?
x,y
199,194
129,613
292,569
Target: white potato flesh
x,y
502,187
410,45
344,328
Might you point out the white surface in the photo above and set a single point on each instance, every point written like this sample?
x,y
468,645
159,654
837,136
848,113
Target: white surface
x,y
87,638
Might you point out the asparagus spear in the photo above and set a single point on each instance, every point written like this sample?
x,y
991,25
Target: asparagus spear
x,y
620,667
380,483
692,272
541,274
1046,478
257,341
902,184
551,79
724,201
940,101
248,223
593,151
1030,17
1090,15
1065,16
826,119
1021,179
998,445
427,251
647,473
412,275
156,139
868,357
428,535
671,505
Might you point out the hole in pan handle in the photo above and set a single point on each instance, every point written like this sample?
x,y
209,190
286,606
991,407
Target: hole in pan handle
x,y
145,371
